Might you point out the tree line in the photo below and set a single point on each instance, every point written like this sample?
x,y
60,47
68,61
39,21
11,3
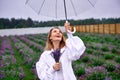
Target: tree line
x,y
6,23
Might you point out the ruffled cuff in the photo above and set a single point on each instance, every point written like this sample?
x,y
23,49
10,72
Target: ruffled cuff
x,y
69,35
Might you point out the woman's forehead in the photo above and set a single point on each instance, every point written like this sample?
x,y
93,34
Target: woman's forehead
x,y
56,29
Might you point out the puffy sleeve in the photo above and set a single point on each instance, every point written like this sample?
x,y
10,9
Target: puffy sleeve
x,y
75,47
43,70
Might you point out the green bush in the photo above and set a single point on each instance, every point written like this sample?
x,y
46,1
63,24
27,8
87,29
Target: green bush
x,y
114,50
77,62
80,71
0,57
94,47
117,59
89,51
110,67
97,61
104,48
96,53
114,75
108,56
85,59
96,76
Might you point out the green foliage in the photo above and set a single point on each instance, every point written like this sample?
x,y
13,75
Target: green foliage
x,y
97,53
85,59
93,47
114,75
77,62
80,71
114,50
108,56
117,59
97,61
110,67
0,57
89,51
96,76
104,48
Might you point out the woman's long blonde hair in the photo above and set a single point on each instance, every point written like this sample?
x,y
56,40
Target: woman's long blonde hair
x,y
49,44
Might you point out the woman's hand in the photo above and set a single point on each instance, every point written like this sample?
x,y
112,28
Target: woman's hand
x,y
56,66
67,26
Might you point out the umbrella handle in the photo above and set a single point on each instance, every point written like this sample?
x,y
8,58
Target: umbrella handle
x,y
72,32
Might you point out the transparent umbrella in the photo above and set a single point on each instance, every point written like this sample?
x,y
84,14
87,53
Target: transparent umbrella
x,y
60,8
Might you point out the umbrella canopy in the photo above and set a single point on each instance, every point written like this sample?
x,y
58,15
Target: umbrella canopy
x,y
60,8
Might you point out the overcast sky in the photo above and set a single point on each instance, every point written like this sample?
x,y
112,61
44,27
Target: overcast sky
x,y
18,9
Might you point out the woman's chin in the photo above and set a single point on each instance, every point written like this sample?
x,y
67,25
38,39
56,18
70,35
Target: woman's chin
x,y
57,40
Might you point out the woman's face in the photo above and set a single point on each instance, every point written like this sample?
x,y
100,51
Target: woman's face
x,y
56,35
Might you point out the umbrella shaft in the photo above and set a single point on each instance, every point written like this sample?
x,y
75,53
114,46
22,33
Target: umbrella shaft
x,y
65,10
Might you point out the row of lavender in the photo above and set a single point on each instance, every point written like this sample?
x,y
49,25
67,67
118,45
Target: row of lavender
x,y
8,65
18,55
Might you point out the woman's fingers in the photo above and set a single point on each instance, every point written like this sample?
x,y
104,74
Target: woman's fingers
x,y
67,26
56,66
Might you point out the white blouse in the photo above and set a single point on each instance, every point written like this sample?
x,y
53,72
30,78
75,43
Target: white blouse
x,y
72,51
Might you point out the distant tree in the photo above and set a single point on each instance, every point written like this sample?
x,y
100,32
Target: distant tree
x,y
6,23
1,25
29,22
13,22
117,20
23,23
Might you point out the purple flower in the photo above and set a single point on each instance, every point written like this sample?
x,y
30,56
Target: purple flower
x,y
2,76
13,59
56,55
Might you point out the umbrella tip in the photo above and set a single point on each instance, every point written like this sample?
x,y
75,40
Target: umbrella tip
x,y
66,21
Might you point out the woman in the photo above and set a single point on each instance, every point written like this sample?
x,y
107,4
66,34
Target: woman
x,y
52,67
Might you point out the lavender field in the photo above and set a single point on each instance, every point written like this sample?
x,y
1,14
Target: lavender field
x,y
101,61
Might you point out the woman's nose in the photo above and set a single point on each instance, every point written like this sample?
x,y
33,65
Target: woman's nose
x,y
58,32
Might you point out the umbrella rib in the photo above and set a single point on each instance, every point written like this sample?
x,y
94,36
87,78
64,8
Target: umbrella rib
x,y
41,7
91,3
56,9
26,1
73,7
